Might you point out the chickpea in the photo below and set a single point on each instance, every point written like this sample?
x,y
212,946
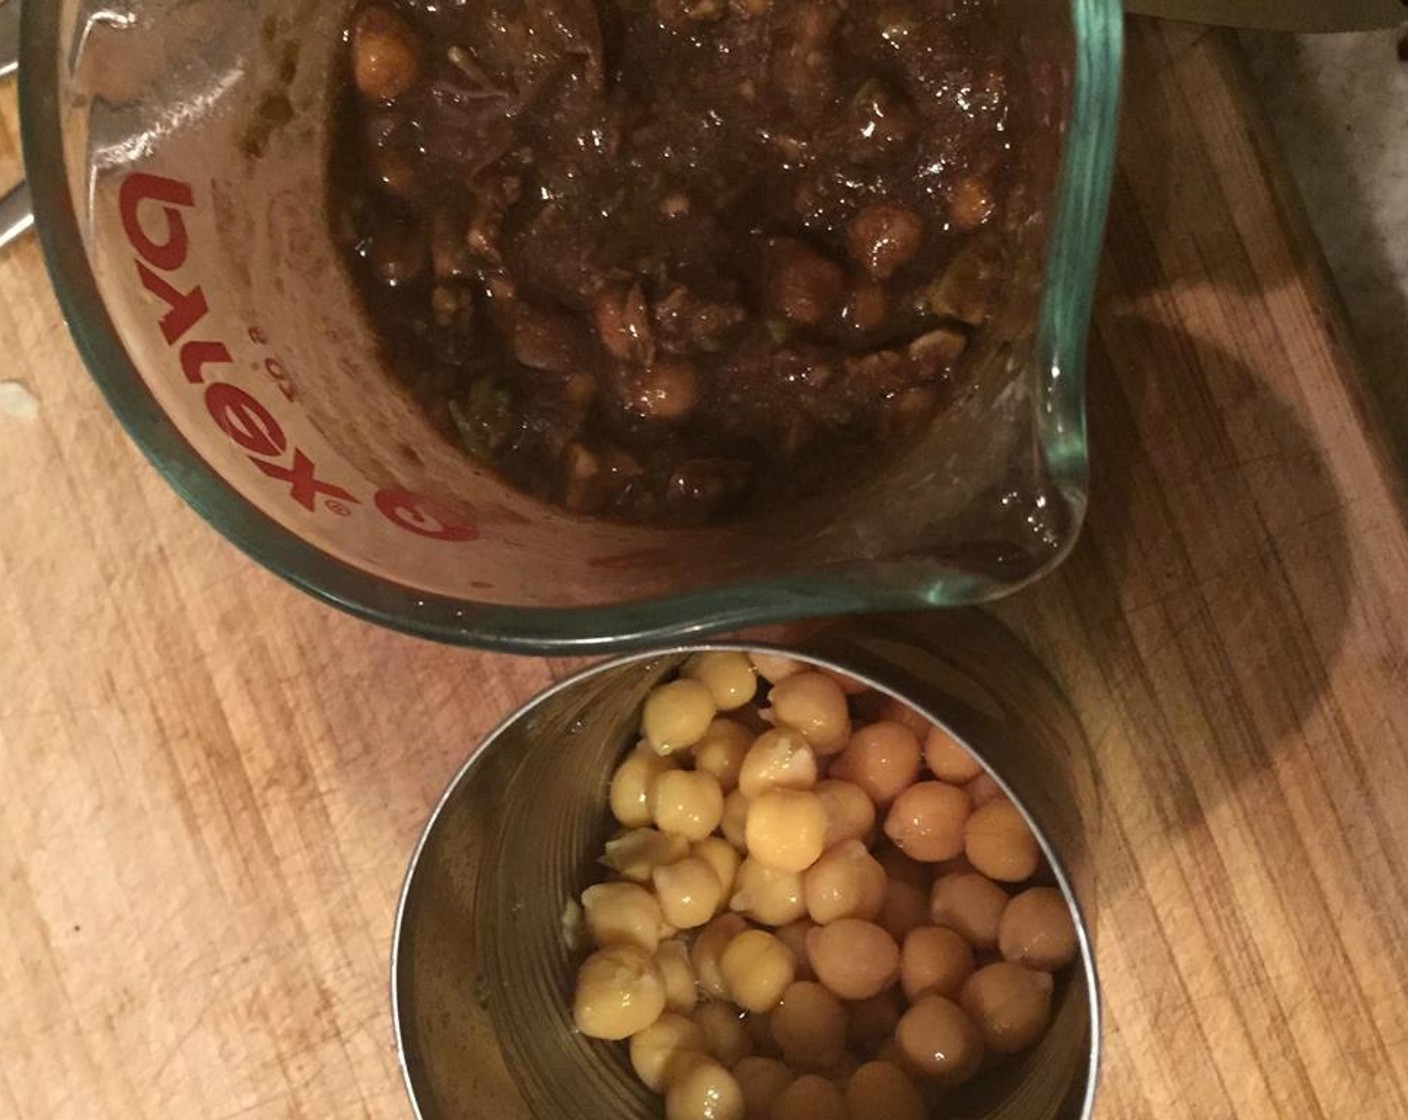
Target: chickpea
x,y
846,882
999,843
971,204
810,1026
870,1021
672,959
786,829
1037,930
925,822
897,711
948,759
1010,1004
939,1041
657,1048
982,789
882,758
734,824
884,237
689,892
633,786
677,715
774,667
810,1097
906,908
934,961
619,991
725,1037
709,947
970,904
704,1091
723,859
883,1091
854,958
722,750
634,855
622,914
762,1081
688,803
385,55
767,894
666,391
803,285
757,968
794,936
866,306
778,759
729,676
850,814
814,704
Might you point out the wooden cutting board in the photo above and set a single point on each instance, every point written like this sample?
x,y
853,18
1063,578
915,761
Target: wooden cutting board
x,y
211,783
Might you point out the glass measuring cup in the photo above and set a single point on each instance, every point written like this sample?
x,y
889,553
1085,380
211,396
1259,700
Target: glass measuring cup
x,y
176,153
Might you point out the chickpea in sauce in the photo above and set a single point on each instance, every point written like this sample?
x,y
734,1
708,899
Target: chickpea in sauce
x,y
680,260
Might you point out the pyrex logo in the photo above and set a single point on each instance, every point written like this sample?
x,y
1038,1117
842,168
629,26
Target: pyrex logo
x,y
163,245
152,210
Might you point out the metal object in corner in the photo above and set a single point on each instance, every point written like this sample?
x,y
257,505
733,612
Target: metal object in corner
x,y
16,209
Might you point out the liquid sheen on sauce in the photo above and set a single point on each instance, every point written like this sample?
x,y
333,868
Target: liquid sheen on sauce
x,y
672,261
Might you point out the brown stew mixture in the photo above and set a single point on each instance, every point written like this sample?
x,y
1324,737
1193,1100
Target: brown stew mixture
x,y
674,260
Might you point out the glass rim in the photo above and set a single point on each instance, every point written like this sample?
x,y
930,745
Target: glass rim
x,y
1082,197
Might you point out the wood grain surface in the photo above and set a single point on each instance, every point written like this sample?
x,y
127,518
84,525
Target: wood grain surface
x,y
210,783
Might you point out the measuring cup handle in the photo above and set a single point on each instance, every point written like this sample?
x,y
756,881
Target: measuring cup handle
x,y
16,210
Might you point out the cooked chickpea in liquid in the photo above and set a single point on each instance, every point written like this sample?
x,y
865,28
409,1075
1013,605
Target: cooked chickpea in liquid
x,y
705,1091
925,821
761,1081
622,914
846,882
934,961
999,843
677,715
970,903
725,1036
881,758
883,1091
859,982
850,814
688,803
689,892
659,1046
633,785
729,677
768,894
722,750
940,1041
810,1097
814,704
757,967
1037,930
809,1025
1010,1004
786,829
855,959
778,759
